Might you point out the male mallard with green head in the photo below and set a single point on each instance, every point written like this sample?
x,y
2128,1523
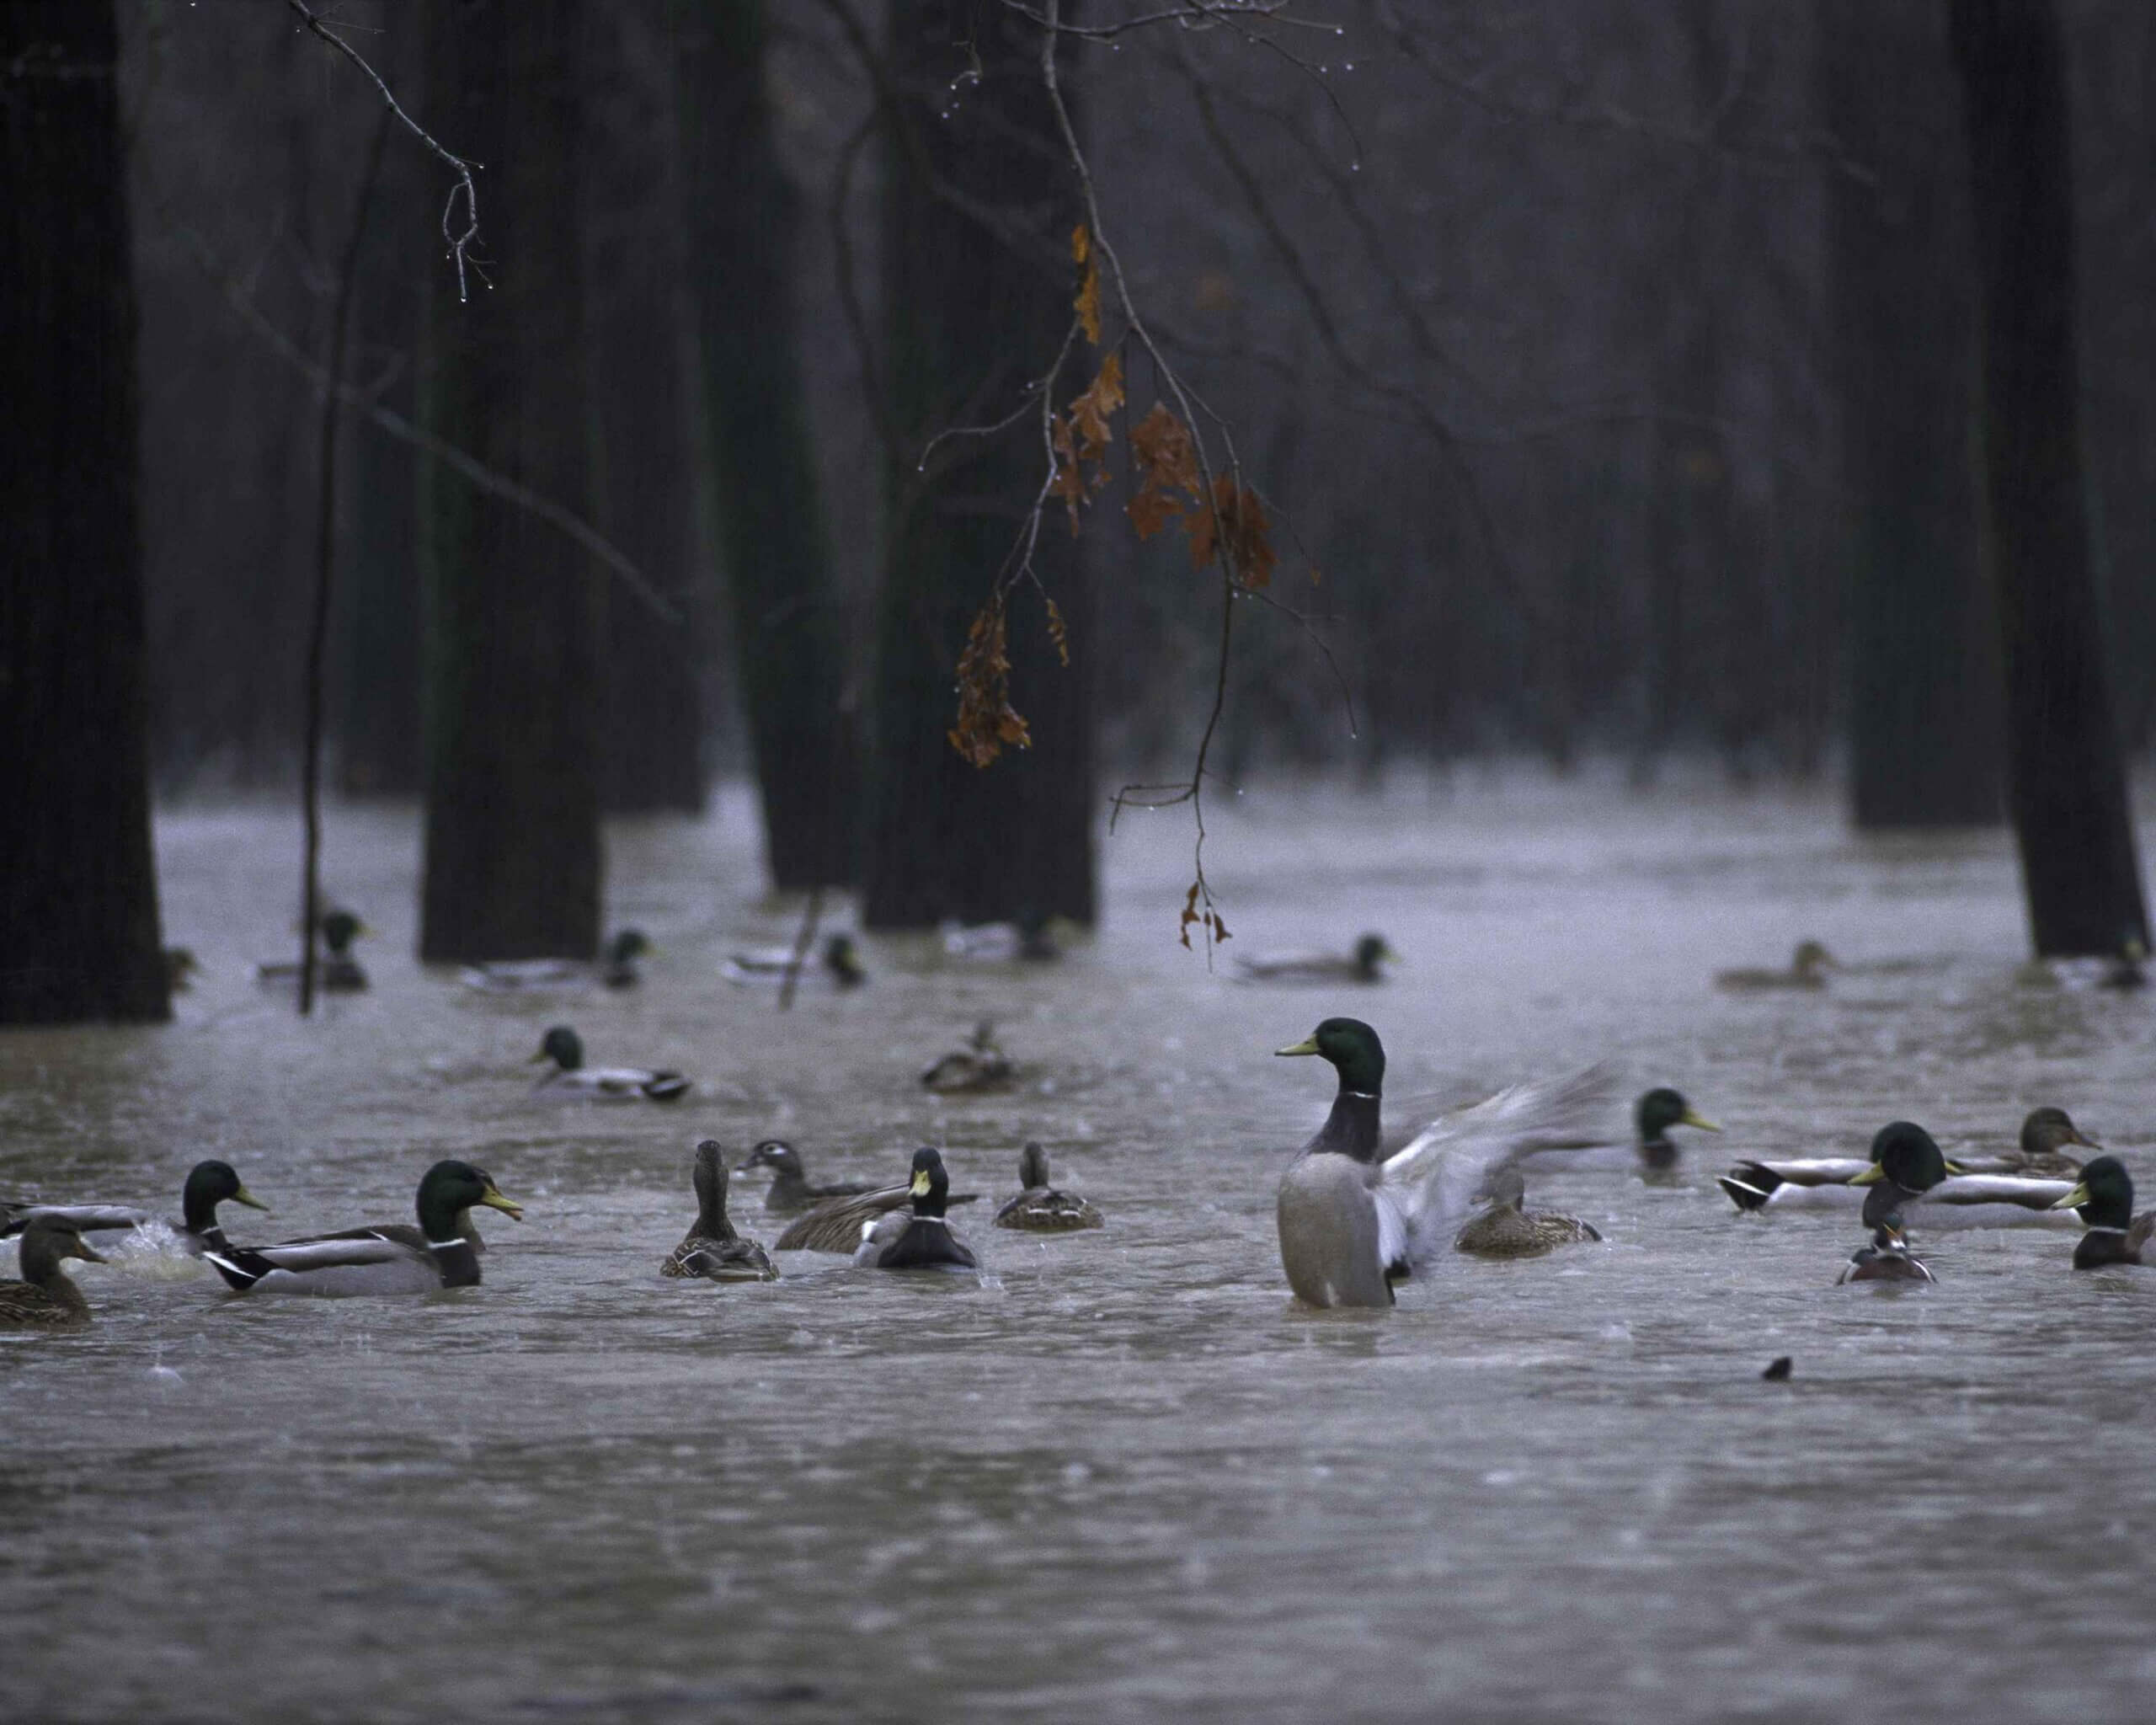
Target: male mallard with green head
x,y
47,1298
391,1258
920,1238
1654,1114
336,969
1353,1222
1506,1229
712,1249
839,963
208,1184
1906,1164
1039,1208
2105,1199
565,1049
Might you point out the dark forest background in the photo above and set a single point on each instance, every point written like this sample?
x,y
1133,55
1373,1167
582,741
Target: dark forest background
x,y
1525,315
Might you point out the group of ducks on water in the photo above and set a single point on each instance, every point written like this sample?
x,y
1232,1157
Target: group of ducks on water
x,y
1354,1218
902,1227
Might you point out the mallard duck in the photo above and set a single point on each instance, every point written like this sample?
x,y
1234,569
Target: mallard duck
x,y
565,1049
1039,1208
839,1223
181,969
839,963
1807,968
790,1189
393,1258
208,1184
712,1249
1887,1258
1506,1230
616,967
2103,1199
335,969
1026,937
1364,962
1352,1225
1654,1114
2045,1134
979,1065
47,1298
1967,1199
919,1239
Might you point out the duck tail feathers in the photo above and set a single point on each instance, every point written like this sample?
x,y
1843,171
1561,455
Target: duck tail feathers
x,y
666,1086
1749,1185
240,1267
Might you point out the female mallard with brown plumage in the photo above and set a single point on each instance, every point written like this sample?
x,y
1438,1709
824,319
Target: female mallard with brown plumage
x,y
1507,1229
712,1250
1039,1208
47,1298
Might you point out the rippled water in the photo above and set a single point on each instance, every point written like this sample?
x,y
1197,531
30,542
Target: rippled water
x,y
1124,1476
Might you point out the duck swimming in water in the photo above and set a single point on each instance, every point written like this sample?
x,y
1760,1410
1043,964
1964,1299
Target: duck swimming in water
x,y
919,1238
1039,1208
1887,1258
1351,1224
839,963
2104,1198
336,970
1807,968
1656,1112
1906,1165
712,1250
1971,1196
208,1184
565,1049
47,1298
1508,1230
980,1065
1364,962
393,1258
616,968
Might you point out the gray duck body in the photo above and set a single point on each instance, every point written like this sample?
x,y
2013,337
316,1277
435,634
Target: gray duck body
x,y
1331,1243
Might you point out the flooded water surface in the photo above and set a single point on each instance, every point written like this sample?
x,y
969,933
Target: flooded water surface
x,y
1120,1475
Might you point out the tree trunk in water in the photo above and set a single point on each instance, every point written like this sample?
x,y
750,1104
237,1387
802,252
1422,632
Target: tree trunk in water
x,y
381,749
974,316
738,217
2066,779
78,898
512,844
1923,707
651,734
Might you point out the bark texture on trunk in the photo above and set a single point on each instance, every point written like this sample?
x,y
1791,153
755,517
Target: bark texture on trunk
x,y
513,864
79,901
2066,780
977,285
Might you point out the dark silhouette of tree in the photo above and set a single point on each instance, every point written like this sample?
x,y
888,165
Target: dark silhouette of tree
x,y
512,865
1924,708
977,279
738,219
2066,781
78,904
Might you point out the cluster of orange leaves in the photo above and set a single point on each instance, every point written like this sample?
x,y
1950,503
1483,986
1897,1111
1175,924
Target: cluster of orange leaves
x,y
1232,528
1209,919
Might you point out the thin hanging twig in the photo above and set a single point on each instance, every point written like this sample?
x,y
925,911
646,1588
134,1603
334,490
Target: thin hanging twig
x,y
802,936
325,568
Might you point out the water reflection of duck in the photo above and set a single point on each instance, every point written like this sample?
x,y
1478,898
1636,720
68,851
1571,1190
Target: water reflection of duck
x,y
1039,1208
1351,1225
393,1258
565,1049
1807,968
1654,1114
712,1250
208,1184
616,968
919,1238
1364,962
2105,1200
47,1298
1507,1229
